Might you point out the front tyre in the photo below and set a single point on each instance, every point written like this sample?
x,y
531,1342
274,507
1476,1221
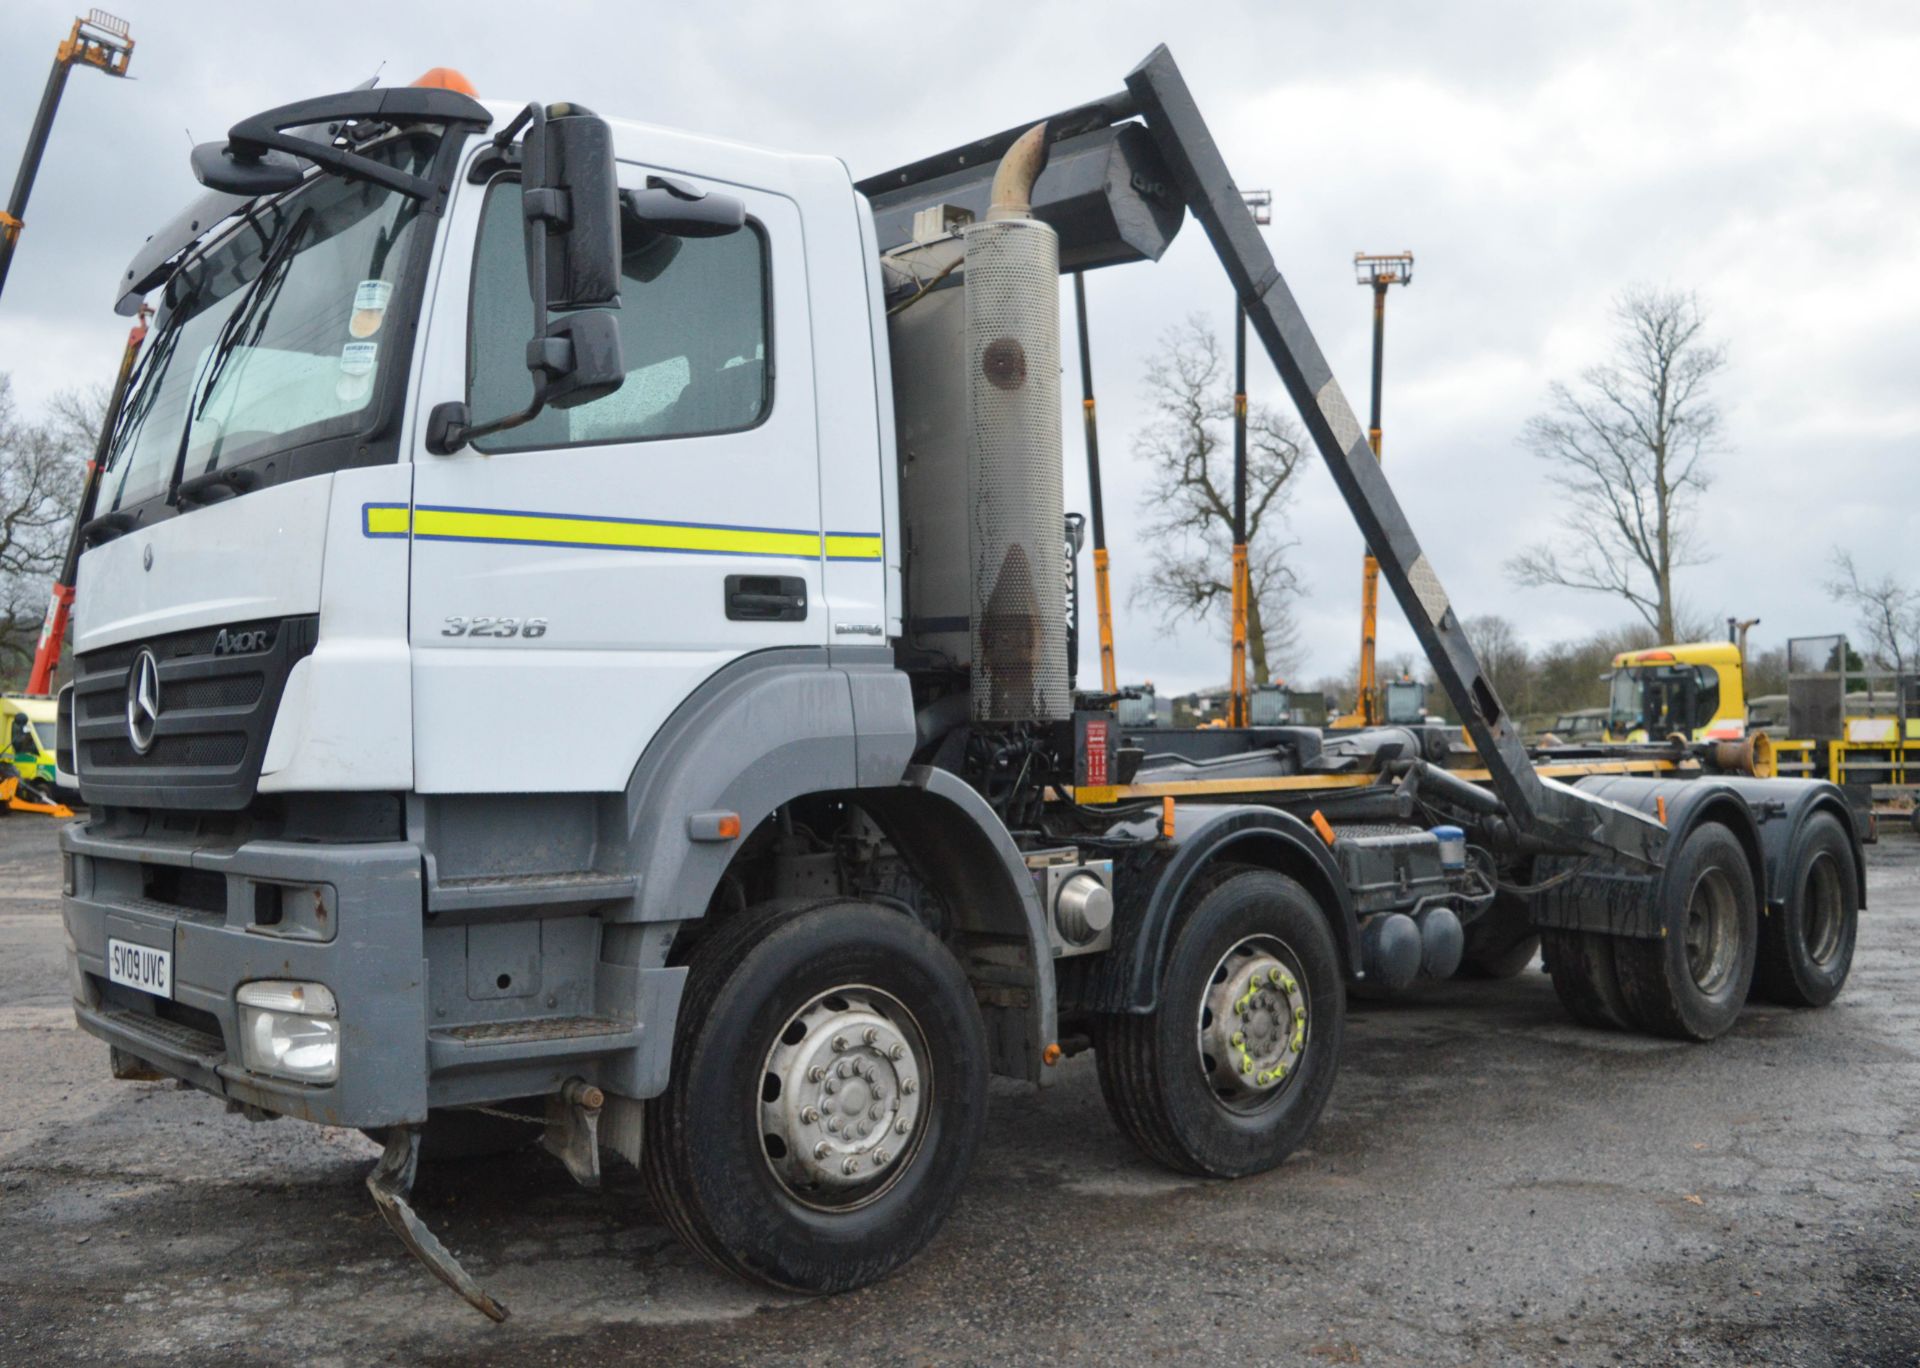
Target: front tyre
x,y
1228,1074
827,1096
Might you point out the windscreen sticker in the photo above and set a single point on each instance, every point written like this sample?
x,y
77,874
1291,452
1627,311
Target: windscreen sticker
x,y
356,370
369,307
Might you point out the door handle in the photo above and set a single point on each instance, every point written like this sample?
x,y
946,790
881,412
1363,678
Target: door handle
x,y
766,598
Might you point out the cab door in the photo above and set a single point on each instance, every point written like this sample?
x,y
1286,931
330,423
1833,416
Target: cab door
x,y
586,571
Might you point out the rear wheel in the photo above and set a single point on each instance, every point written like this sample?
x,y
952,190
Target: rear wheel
x,y
1230,1072
1500,942
827,1095
1586,979
1806,948
1691,983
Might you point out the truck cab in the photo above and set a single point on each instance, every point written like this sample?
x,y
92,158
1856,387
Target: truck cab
x,y
1695,689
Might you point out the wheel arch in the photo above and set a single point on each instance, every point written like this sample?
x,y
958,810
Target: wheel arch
x,y
1686,805
1152,896
958,845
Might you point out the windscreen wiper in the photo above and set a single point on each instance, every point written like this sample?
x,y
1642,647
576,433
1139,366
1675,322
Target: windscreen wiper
x,y
249,310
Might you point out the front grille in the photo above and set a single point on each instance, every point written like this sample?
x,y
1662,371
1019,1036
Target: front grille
x,y
216,712
234,691
196,752
191,890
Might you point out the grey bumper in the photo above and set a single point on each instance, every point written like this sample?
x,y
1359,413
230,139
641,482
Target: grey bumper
x,y
347,916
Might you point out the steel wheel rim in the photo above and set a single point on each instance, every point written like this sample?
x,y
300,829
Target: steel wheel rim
x,y
1823,906
1252,1028
1710,941
845,1091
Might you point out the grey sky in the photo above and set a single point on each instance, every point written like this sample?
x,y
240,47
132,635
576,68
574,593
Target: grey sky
x,y
1535,156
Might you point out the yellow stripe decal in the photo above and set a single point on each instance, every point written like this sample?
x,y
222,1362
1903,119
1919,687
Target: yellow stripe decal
x,y
430,522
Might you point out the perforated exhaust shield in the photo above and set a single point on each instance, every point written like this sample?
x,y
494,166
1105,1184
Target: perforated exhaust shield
x,y
1017,538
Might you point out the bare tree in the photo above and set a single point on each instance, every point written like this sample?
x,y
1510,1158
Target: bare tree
x,y
1188,503
41,465
1629,449
1887,611
1503,657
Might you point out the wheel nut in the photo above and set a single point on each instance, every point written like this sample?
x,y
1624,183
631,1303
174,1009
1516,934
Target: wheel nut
x,y
1239,1038
851,1167
822,1150
877,1111
816,1073
839,1044
870,1035
809,1115
843,1069
833,1085
880,1157
901,1127
907,1085
1273,976
898,1051
833,1125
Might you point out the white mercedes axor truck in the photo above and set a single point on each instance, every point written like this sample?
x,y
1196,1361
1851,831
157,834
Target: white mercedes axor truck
x,y
576,644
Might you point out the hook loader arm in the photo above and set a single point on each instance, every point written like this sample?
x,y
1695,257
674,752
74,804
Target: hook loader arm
x,y
1539,808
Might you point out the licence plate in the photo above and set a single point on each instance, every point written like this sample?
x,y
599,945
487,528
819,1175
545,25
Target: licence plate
x,y
140,966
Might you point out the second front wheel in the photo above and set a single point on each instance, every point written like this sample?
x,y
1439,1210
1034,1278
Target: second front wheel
x,y
1230,1070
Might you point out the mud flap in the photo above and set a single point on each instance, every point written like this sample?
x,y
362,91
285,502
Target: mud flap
x,y
390,1183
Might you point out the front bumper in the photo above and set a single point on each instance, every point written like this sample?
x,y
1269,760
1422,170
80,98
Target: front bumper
x,y
348,916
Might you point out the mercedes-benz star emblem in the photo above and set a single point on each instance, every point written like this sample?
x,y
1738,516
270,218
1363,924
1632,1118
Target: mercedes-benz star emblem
x,y
143,701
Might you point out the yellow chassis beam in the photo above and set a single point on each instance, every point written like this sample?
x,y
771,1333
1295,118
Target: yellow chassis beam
x,y
1328,783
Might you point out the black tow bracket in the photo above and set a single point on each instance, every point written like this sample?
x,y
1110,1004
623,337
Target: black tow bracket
x,y
390,1183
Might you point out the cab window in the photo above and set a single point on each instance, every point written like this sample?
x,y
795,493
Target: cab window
x,y
693,331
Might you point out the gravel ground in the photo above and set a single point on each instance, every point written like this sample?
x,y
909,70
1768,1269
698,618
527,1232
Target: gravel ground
x,y
1490,1184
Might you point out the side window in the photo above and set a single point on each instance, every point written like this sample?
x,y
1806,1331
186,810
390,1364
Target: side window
x,y
693,330
1707,699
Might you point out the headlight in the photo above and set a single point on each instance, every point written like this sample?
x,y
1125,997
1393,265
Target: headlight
x,y
290,1030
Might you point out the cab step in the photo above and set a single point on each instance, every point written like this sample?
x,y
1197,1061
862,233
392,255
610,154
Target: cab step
x,y
485,1044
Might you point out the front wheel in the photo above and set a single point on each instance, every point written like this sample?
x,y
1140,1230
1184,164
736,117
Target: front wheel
x,y
828,1093
1230,1071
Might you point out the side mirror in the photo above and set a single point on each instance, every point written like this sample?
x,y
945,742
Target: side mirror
x,y
571,191
218,167
673,207
578,360
570,198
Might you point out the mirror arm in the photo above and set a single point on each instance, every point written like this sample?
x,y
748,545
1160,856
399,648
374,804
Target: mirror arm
x,y
280,129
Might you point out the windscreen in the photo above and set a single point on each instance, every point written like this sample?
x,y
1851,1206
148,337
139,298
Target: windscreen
x,y
1663,699
273,336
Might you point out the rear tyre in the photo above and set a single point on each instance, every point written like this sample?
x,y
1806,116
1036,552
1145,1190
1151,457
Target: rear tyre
x,y
1691,983
1806,948
1229,1073
1500,941
1586,979
827,1096
1500,964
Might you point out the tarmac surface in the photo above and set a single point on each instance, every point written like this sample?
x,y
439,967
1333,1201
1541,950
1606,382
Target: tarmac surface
x,y
1490,1184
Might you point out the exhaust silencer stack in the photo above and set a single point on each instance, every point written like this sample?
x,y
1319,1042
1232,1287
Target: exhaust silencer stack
x,y
1016,536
